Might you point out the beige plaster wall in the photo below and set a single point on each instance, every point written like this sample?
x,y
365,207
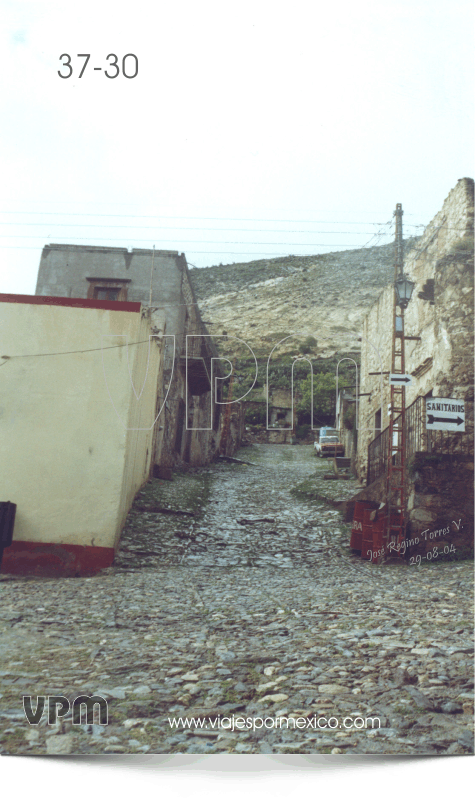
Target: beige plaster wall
x,y
142,422
68,461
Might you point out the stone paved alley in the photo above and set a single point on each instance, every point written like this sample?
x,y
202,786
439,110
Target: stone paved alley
x,y
253,606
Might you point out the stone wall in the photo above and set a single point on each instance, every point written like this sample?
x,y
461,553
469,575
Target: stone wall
x,y
440,313
440,505
236,429
186,431
349,440
278,437
440,520
190,425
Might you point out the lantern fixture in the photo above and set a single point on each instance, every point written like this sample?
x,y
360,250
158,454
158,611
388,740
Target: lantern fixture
x,y
404,287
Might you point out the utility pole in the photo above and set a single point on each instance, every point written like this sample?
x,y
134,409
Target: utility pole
x,y
395,481
151,277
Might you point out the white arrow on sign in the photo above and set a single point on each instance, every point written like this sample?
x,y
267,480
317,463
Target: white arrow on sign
x,y
400,378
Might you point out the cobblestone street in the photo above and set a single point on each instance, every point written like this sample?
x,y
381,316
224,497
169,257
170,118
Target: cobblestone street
x,y
238,597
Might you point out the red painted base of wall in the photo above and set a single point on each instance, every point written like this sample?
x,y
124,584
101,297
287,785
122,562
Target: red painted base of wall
x,y
54,559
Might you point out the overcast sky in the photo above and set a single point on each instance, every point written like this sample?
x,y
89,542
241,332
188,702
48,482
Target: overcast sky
x,y
253,129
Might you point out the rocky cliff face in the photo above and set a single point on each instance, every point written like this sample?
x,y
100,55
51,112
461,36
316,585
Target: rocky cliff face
x,y
324,296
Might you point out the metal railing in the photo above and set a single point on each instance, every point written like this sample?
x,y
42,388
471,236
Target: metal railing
x,y
418,438
377,456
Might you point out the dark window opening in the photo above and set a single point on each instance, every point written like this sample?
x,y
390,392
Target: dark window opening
x,y
377,422
106,294
107,289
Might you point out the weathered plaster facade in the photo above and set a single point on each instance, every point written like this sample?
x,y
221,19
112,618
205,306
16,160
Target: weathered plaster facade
x,y
187,430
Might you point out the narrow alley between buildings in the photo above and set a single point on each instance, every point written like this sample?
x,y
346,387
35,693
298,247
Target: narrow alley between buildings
x,y
234,597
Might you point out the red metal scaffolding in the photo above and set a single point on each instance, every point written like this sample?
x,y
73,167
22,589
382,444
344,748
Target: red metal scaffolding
x,y
395,481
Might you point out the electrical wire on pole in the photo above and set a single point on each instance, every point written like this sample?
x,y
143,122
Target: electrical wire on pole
x,y
395,479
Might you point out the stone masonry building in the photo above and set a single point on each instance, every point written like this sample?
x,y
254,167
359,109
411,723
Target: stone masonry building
x,y
439,357
187,429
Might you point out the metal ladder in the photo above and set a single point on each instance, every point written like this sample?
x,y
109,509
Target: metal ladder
x,y
395,480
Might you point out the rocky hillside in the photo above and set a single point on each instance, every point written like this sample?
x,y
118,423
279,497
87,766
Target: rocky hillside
x,y
323,296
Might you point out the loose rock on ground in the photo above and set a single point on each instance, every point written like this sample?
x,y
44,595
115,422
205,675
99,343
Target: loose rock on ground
x,y
251,605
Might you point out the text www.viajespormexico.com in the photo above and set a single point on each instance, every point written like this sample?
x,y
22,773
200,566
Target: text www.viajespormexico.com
x,y
279,722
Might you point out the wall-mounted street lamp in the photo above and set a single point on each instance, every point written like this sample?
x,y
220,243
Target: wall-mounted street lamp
x,y
404,288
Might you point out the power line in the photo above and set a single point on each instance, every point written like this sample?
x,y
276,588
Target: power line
x,y
218,219
185,241
84,351
190,228
184,217
194,331
263,254
244,244
378,234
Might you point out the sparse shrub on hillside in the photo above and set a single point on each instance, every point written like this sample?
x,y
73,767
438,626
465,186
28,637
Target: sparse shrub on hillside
x,y
463,245
308,345
277,336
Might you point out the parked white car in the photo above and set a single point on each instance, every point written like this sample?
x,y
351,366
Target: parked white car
x,y
328,443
